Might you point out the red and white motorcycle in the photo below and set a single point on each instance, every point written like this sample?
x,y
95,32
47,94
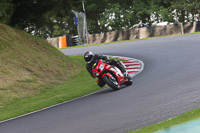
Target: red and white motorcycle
x,y
111,75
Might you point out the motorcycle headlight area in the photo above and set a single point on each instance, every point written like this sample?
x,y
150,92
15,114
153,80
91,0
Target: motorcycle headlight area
x,y
96,73
101,67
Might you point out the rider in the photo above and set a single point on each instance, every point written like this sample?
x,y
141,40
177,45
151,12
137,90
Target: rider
x,y
91,58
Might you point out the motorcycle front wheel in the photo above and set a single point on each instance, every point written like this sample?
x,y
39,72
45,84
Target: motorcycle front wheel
x,y
112,82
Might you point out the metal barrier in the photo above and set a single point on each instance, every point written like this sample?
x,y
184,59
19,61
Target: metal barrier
x,y
135,33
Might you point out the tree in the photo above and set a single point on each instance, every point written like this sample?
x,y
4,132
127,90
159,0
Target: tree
x,y
6,11
29,15
45,18
117,17
186,10
52,18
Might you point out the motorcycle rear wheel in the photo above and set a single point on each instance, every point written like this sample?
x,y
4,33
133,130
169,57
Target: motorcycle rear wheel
x,y
111,82
129,82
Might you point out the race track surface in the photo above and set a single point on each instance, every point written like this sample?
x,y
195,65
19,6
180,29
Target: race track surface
x,y
168,86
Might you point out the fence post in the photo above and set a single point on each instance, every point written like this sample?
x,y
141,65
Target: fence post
x,y
182,30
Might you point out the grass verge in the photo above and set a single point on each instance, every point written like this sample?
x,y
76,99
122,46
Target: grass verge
x,y
127,40
78,85
191,115
29,63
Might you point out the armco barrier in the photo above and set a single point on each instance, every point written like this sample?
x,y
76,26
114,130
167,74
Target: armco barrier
x,y
136,33
54,41
191,27
139,33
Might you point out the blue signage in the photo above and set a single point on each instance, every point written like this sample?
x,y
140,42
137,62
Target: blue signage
x,y
76,21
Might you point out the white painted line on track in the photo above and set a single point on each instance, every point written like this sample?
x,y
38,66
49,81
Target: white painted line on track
x,y
133,73
132,63
135,70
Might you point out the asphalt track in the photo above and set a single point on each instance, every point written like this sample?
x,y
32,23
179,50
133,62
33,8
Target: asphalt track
x,y
168,86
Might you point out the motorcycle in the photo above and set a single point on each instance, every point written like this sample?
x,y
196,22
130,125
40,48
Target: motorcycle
x,y
111,75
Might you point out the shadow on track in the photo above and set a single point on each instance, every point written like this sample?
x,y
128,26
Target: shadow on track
x,y
108,90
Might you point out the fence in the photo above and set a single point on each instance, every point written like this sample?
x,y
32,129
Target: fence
x,y
136,33
139,33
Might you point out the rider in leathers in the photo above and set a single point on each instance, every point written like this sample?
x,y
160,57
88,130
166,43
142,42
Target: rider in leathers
x,y
91,58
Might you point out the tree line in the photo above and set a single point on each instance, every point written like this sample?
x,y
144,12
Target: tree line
x,y
51,18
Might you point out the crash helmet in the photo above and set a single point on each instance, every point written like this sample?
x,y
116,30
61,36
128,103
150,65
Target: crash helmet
x,y
88,56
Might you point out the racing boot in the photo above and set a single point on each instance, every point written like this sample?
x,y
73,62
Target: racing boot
x,y
123,70
126,75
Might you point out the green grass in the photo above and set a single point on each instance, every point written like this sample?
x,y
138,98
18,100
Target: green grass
x,y
80,84
126,41
35,75
28,62
191,115
192,33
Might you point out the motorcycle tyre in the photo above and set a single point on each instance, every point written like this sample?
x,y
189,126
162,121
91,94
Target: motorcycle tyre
x,y
107,80
129,82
